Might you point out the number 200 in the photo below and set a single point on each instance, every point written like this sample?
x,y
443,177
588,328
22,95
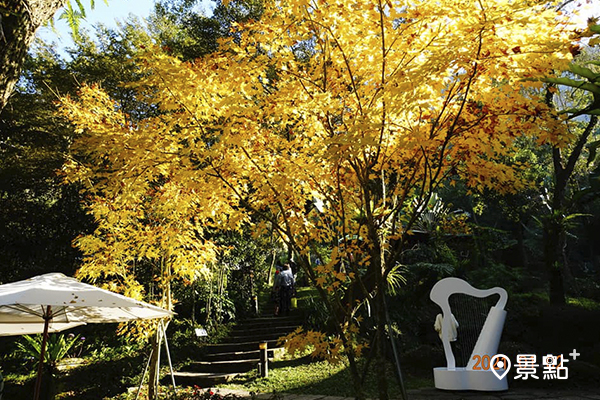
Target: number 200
x,y
483,363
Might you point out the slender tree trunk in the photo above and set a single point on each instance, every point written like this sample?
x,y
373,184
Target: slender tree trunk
x,y
569,282
156,341
356,381
552,260
523,262
378,264
194,303
154,367
380,361
271,268
19,19
336,313
554,229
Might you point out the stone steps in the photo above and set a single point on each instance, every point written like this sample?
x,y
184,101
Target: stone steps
x,y
239,353
243,330
236,355
258,338
227,366
268,322
201,379
239,346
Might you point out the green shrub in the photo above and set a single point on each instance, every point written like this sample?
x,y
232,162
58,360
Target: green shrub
x,y
496,274
584,303
57,347
317,315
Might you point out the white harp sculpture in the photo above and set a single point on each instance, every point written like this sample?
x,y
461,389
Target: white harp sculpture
x,y
473,376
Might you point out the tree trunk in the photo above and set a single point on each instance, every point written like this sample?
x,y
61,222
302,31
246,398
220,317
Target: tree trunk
x,y
552,260
554,229
380,361
337,315
153,374
19,19
522,252
271,269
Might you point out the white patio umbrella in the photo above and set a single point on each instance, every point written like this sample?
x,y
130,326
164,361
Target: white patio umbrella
x,y
54,302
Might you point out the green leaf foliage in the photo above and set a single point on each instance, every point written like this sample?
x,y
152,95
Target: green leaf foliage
x,y
57,347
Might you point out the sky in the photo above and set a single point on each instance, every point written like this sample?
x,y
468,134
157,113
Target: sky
x,y
119,10
116,10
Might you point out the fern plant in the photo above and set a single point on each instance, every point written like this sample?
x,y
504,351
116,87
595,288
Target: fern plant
x,y
431,215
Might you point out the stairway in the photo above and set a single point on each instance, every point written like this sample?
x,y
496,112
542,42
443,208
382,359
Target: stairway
x,y
239,352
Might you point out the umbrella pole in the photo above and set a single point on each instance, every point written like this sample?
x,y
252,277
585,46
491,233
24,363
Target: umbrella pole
x,y
168,355
38,381
157,382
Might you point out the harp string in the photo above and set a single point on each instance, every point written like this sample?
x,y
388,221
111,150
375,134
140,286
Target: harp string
x,y
471,313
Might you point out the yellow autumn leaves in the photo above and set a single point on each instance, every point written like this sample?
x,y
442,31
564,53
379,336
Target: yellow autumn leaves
x,y
364,106
321,346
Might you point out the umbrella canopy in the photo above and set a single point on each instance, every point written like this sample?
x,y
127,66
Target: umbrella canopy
x,y
24,305
54,302
31,328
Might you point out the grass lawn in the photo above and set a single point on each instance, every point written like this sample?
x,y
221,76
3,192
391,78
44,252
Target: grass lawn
x,y
306,376
533,325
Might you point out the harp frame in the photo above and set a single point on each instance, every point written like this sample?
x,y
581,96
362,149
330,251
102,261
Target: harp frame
x,y
469,378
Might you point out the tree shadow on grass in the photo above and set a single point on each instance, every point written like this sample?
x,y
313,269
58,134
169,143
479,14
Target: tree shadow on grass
x,y
102,378
310,377
92,381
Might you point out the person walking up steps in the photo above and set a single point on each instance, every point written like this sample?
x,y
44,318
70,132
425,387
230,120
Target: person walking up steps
x,y
285,282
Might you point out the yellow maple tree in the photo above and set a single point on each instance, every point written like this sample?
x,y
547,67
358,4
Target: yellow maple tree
x,y
331,123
